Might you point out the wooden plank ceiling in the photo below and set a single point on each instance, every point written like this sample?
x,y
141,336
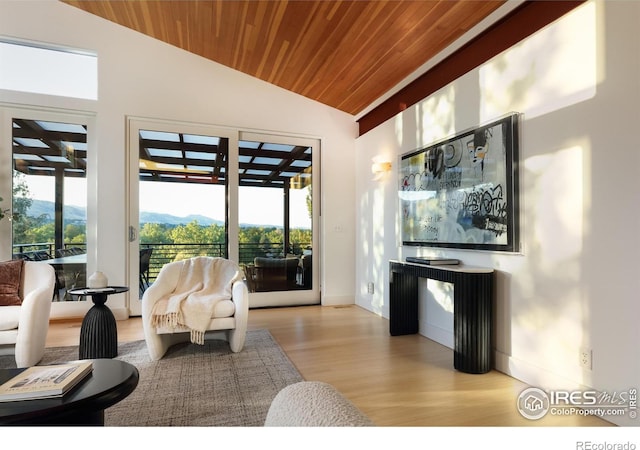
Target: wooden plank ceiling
x,y
344,53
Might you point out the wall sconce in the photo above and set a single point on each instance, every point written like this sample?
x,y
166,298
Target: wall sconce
x,y
380,168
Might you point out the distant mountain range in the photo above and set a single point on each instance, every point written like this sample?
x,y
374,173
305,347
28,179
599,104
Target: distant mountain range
x,y
151,217
71,213
79,214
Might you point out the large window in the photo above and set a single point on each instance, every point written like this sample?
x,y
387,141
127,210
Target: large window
x,y
69,73
49,208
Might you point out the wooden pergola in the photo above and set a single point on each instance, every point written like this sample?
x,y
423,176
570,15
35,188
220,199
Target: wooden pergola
x,y
60,150
184,158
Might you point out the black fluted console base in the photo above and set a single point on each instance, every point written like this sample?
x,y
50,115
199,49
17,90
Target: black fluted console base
x,y
473,293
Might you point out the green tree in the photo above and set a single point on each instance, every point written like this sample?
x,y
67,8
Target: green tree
x,y
22,200
77,239
72,231
300,235
252,235
42,233
215,234
191,233
20,205
155,233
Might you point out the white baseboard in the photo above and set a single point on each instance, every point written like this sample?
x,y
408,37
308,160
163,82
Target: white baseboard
x,y
120,313
338,300
532,374
271,301
435,333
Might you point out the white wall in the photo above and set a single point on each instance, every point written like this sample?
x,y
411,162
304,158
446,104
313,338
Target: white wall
x,y
576,282
139,76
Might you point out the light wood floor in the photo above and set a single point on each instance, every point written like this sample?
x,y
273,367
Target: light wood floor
x,y
396,381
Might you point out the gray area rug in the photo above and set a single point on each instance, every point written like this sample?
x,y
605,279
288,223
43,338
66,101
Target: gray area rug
x,y
196,385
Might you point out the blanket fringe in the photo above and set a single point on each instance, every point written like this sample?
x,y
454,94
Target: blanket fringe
x,y
197,337
171,320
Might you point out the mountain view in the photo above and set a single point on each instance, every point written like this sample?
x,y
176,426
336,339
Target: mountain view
x,y
79,214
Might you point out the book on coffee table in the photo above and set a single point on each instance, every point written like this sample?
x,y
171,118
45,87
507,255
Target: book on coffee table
x,y
38,382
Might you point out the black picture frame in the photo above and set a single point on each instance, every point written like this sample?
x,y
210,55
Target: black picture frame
x,y
462,192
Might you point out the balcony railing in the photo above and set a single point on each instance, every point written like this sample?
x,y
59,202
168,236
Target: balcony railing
x,y
42,250
165,253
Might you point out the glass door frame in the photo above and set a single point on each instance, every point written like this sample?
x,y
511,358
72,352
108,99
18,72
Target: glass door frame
x,y
258,299
59,310
134,126
305,296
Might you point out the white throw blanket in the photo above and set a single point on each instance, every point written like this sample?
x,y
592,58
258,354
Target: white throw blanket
x,y
203,282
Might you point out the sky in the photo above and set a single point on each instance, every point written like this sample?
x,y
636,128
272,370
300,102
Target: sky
x,y
257,205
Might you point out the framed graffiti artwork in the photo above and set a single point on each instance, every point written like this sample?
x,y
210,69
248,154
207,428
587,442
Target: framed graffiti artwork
x,y
462,192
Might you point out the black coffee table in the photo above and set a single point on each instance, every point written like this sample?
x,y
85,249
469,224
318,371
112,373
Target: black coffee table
x,y
111,381
98,334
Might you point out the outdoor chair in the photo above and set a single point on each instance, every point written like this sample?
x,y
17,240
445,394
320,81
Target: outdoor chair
x,y
145,261
275,274
67,251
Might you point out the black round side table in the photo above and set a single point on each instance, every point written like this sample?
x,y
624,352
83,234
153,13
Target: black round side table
x,y
98,334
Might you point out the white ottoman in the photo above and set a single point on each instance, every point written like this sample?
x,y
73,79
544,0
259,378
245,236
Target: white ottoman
x,y
313,404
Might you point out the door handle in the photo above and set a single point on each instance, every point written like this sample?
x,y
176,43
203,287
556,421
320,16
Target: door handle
x,y
133,233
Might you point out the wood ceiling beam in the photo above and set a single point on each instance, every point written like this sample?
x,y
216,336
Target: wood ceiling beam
x,y
30,133
525,20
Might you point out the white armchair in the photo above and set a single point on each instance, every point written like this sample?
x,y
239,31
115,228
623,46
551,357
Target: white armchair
x,y
24,328
229,314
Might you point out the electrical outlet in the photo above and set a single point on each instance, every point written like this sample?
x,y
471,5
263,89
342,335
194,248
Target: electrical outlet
x,y
370,288
586,355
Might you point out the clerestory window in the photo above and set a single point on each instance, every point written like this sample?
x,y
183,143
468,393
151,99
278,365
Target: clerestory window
x,y
39,69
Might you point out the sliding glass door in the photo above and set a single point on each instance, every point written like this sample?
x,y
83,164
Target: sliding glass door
x,y
277,220
201,190
178,198
182,199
